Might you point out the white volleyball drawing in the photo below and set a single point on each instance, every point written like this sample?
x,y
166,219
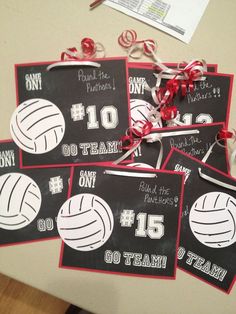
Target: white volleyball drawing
x,y
140,165
140,109
20,201
212,219
37,126
85,222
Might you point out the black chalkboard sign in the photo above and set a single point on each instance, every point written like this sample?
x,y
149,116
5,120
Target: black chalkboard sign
x,y
197,145
198,106
83,110
29,199
121,220
208,229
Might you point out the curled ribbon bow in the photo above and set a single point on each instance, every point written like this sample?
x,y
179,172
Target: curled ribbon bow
x,y
179,80
143,131
74,57
136,48
225,134
130,143
89,49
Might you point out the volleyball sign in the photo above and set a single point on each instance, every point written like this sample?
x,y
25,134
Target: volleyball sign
x,y
85,222
70,115
29,198
212,219
20,201
207,246
37,126
131,230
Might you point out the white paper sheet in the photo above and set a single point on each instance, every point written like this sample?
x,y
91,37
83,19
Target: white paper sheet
x,y
178,18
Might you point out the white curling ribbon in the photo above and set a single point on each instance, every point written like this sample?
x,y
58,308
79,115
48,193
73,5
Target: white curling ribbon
x,y
210,150
127,154
152,90
160,156
100,48
202,68
130,151
154,115
136,51
215,181
73,63
72,54
158,61
130,174
171,73
204,159
153,137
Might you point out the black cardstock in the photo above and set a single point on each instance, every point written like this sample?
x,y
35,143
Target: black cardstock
x,y
154,196
216,266
84,86
44,225
196,145
208,103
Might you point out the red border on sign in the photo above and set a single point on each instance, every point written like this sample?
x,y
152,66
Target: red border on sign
x,y
178,227
82,163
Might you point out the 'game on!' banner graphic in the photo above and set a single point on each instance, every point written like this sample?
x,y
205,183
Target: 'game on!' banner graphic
x,y
70,115
208,227
196,107
29,199
132,231
194,140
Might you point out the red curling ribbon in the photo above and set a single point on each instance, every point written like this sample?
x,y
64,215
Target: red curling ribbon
x,y
70,54
225,134
172,86
195,69
141,128
182,79
88,47
127,142
127,38
168,113
149,46
164,96
184,87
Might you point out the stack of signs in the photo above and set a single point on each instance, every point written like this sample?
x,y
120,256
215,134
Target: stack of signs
x,y
59,177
